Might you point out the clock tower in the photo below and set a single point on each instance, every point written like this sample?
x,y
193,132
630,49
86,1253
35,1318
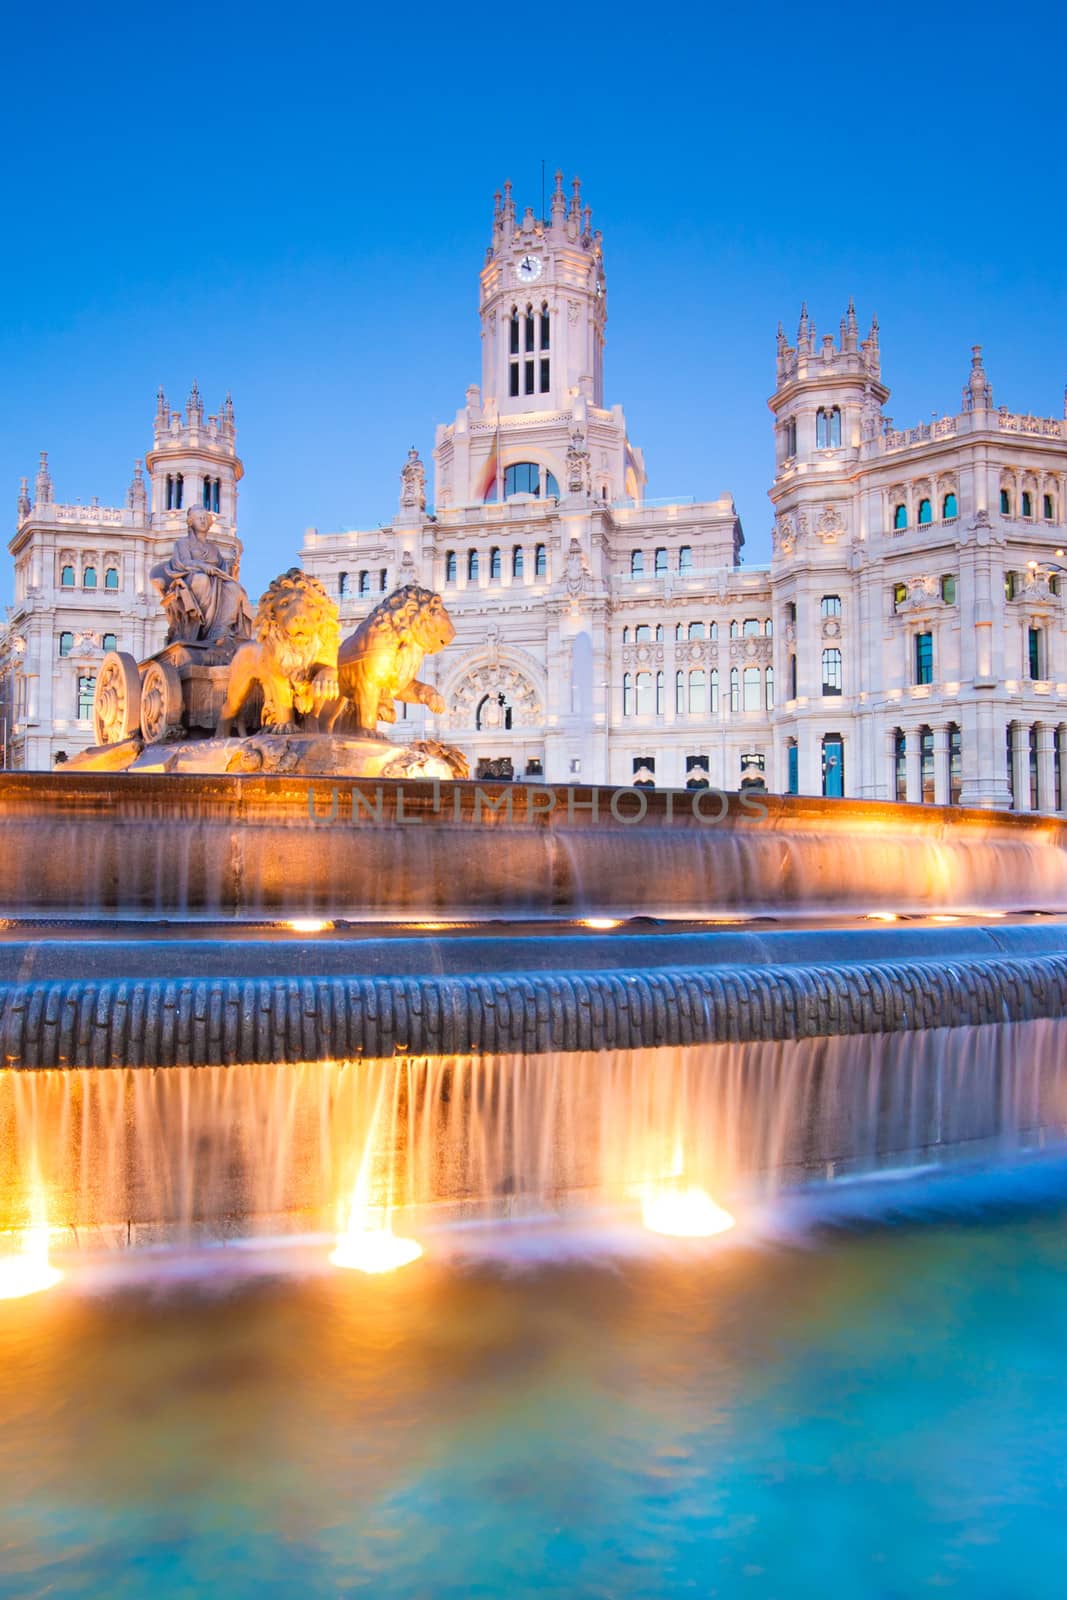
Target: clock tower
x,y
543,306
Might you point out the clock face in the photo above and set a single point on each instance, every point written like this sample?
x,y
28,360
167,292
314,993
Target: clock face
x,y
530,269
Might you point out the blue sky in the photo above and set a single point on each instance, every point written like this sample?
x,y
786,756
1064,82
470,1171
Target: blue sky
x,y
294,204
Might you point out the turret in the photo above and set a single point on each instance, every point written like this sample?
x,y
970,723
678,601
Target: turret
x,y
193,462
828,395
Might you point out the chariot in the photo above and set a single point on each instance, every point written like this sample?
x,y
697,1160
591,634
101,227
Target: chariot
x,y
177,692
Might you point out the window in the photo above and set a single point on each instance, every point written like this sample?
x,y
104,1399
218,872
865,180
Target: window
x,y
660,706
679,632
364,583
1035,790
1005,502
752,689
66,578
111,578
793,767
685,558
768,677
1011,764
342,585
1011,585
926,513
544,375
696,630
383,579
450,566
768,628
1034,652
179,491
66,643
206,494
524,477
900,766
831,672
830,605
789,435
679,694
626,636
659,633
924,658
791,612
900,517
89,578
1028,503
735,689
637,564
926,766
949,508
948,589
1047,509
644,693
793,675
516,562
827,428
697,693
735,631
833,765
696,772
86,691
643,633
751,628
540,561
472,566
955,764
713,630
111,641
627,695
900,594
494,563
529,373
513,345
546,326
713,692
661,563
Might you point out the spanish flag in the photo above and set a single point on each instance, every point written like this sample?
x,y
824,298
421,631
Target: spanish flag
x,y
487,481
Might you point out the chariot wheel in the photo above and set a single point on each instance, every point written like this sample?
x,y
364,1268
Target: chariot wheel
x,y
161,702
117,699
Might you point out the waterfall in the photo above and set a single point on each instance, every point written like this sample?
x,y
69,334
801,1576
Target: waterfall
x,y
224,1149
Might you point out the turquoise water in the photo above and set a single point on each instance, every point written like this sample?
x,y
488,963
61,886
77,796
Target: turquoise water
x,y
874,1411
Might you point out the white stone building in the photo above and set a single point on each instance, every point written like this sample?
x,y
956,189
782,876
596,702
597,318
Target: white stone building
x,y
82,575
907,641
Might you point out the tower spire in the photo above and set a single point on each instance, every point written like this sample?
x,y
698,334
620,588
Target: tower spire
x,y
24,507
42,488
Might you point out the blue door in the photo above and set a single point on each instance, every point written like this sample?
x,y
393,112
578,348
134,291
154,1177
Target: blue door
x,y
833,766
794,770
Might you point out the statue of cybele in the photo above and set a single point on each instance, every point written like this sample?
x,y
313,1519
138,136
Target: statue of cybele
x,y
198,585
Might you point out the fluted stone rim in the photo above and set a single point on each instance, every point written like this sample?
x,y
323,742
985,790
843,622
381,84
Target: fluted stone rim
x,y
116,1022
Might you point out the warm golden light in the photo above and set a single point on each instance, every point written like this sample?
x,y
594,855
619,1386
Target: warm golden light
x,y
944,916
28,1270
683,1213
374,1250
309,925
600,922
881,916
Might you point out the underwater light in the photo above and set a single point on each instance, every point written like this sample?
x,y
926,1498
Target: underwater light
x,y
309,925
684,1213
601,922
374,1250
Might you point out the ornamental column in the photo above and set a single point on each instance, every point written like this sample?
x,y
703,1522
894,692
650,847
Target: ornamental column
x,y
1046,766
1020,765
941,784
911,758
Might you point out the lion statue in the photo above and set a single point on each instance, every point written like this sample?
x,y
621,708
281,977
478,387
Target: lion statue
x,y
293,657
377,664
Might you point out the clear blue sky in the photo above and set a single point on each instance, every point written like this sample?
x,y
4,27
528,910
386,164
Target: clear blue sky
x,y
294,204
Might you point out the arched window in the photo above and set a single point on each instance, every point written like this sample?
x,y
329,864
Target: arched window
x,y
644,693
450,566
697,693
524,477
1048,508
752,689
735,629
627,695
494,563
949,507
713,631
206,491
540,561
66,578
179,491
89,578
111,641
383,579
679,632
900,517
831,672
661,563
679,694
643,633
66,643
111,578
735,689
86,691
696,630
364,583
342,585
713,692
659,633
472,566
626,636
1005,502
516,562
659,694
685,558
1028,503
768,628
768,678
637,563
830,605
828,428
926,512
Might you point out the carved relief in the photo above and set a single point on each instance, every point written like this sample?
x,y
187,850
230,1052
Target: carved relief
x,y
830,526
487,683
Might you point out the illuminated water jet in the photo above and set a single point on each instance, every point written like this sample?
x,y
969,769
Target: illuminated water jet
x,y
28,1269
374,1250
688,1213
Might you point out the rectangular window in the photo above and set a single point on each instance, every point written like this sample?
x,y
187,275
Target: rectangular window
x,y
900,767
514,345
1046,502
1005,503
924,658
544,375
529,377
1035,789
926,765
831,672
529,331
793,676
546,329
1034,652
955,764
948,590
86,692
793,779
513,379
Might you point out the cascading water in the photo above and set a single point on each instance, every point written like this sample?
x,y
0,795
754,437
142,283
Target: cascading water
x,y
222,1150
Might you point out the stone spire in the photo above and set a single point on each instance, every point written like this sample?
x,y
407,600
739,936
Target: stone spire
x,y
24,506
849,328
42,489
162,409
229,427
872,358
559,202
136,494
977,391
508,209
576,201
194,407
805,331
